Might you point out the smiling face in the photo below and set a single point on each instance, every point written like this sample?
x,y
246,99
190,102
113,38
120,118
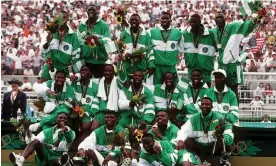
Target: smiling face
x,y
194,22
220,20
138,77
165,20
134,21
60,79
206,106
108,72
196,78
162,118
85,73
110,120
148,144
62,120
169,80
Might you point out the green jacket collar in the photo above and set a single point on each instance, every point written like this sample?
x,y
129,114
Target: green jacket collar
x,y
208,117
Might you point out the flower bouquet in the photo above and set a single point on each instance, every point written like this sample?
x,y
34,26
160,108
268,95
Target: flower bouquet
x,y
54,25
219,129
139,100
39,103
140,53
92,41
120,15
78,110
22,127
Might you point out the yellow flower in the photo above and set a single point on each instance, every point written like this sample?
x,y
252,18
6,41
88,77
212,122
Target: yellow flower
x,y
119,19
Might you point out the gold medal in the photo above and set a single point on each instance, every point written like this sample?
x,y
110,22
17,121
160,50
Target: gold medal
x,y
196,50
109,147
205,135
219,45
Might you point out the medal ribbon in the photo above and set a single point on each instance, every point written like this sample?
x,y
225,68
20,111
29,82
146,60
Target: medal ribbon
x,y
205,129
169,97
165,39
134,38
220,36
194,96
84,90
196,40
220,97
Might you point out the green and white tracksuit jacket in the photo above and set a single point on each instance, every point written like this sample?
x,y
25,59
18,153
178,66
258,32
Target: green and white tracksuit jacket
x,y
192,99
54,104
230,41
146,113
166,54
193,129
169,135
184,155
162,100
204,59
64,53
100,102
100,140
168,156
128,66
97,55
228,106
90,94
55,142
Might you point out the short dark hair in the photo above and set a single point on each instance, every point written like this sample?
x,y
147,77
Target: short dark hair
x,y
111,112
196,16
197,71
207,98
135,14
165,12
148,135
85,66
61,71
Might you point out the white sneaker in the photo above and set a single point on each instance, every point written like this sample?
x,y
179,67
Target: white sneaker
x,y
34,127
17,160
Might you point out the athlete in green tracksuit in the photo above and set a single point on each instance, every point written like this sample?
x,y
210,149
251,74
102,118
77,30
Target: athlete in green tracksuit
x,y
49,144
102,141
166,40
95,57
199,48
156,152
135,38
107,96
62,48
194,93
201,127
164,130
136,103
58,95
228,38
224,99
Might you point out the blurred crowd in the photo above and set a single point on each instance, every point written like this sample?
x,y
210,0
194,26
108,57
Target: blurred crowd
x,y
23,25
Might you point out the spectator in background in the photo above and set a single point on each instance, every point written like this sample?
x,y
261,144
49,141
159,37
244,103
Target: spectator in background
x,y
37,59
18,64
28,71
256,105
7,64
266,119
271,64
269,94
14,100
259,91
252,66
38,81
27,86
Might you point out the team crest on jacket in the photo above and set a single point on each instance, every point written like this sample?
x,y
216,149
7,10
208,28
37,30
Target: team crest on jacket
x,y
173,45
204,49
65,47
88,99
225,108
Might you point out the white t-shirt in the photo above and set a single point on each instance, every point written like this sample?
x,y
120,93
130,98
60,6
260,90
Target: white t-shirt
x,y
26,85
266,122
28,72
18,63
